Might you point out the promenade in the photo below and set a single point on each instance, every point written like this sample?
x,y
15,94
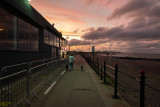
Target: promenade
x,y
78,88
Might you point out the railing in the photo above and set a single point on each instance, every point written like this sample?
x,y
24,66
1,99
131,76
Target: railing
x,y
132,89
20,80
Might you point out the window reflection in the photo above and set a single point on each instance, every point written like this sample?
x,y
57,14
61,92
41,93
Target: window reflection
x,y
23,35
46,36
34,38
57,41
8,30
51,39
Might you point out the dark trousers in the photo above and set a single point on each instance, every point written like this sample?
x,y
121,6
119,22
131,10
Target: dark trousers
x,y
71,65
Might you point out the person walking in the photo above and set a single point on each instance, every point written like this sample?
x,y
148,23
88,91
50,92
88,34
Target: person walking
x,y
71,60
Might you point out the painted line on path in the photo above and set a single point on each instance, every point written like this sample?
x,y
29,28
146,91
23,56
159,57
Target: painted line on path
x,y
50,87
63,72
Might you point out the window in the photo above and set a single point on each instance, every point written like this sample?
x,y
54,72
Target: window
x,y
57,41
8,30
34,38
23,35
46,36
51,38
53,52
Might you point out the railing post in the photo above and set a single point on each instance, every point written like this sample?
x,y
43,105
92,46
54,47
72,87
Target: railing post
x,y
93,63
28,78
104,71
1,85
142,89
97,67
46,70
90,58
101,73
115,82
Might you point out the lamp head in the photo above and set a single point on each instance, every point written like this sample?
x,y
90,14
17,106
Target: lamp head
x,y
28,0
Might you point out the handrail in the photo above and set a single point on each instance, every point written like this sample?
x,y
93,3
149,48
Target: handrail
x,y
152,88
37,66
141,80
12,75
51,61
110,74
26,73
110,67
14,65
129,75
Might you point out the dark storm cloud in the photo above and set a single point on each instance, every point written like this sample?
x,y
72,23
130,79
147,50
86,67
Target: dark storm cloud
x,y
144,26
75,42
139,35
133,7
124,33
104,2
102,33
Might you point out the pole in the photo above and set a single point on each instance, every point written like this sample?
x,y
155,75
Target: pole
x,y
101,73
142,89
115,82
97,67
104,71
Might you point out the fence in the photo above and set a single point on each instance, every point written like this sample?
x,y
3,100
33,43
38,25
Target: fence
x,y
134,90
20,80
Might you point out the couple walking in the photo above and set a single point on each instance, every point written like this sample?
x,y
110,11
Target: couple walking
x,y
71,60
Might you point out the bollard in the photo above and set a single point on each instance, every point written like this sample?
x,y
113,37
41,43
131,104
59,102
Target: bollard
x,y
142,89
104,71
115,82
101,73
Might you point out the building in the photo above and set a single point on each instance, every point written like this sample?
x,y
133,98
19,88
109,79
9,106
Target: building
x,y
63,45
25,35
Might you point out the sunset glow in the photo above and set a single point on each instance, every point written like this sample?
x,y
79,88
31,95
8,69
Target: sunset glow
x,y
130,25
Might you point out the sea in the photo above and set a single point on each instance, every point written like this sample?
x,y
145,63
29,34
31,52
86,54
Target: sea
x,y
136,55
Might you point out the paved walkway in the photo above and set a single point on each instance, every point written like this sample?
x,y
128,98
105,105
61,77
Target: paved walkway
x,y
79,89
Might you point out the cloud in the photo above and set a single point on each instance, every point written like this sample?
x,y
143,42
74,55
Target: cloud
x,y
142,33
133,7
100,2
75,42
124,33
89,2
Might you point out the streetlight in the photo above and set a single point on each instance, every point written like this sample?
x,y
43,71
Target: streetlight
x,y
28,0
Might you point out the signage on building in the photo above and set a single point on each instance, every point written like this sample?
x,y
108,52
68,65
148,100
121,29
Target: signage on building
x,y
63,48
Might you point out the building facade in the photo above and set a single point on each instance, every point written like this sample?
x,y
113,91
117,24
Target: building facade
x,y
25,35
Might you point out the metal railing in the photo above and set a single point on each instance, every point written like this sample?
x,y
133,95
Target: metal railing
x,y
20,80
134,89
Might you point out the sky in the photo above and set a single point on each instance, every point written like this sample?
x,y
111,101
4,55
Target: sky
x,y
129,26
